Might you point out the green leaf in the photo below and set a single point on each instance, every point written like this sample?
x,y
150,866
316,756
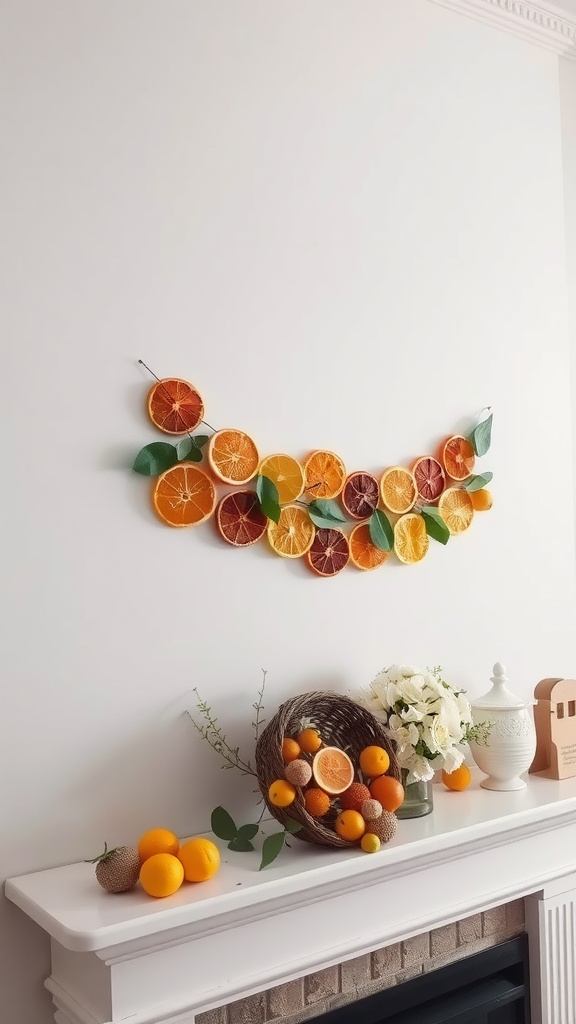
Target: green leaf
x,y
223,824
247,831
326,514
293,826
200,440
189,450
267,494
155,458
271,847
381,532
475,483
240,845
435,525
481,436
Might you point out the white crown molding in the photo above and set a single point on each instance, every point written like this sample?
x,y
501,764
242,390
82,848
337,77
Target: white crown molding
x,y
540,23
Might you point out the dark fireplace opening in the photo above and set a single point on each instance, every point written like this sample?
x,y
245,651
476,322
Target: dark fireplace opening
x,y
490,987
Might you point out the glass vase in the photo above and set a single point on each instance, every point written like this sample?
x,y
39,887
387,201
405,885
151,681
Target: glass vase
x,y
418,798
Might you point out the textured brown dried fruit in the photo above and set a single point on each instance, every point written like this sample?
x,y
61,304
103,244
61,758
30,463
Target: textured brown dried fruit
x,y
117,870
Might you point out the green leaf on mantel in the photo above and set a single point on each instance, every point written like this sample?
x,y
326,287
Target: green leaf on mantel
x,y
155,458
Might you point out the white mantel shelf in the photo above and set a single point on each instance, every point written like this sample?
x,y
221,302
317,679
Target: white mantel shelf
x,y
162,960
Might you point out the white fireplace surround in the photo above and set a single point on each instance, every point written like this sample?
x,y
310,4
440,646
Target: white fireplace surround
x,y
132,958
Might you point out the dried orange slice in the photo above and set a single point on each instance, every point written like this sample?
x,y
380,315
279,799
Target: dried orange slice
x,y
233,456
239,519
333,770
363,553
293,534
429,477
286,473
325,474
456,508
398,489
410,538
329,553
458,457
184,495
360,495
174,406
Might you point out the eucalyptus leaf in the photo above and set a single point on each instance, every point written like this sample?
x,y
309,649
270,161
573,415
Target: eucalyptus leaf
x,y
475,483
271,847
155,458
267,494
223,824
435,525
240,845
247,831
326,514
292,826
481,436
200,440
189,450
381,532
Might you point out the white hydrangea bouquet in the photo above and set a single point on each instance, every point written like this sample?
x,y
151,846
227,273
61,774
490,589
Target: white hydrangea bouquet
x,y
426,716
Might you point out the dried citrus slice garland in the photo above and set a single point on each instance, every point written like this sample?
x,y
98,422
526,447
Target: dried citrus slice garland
x,y
305,509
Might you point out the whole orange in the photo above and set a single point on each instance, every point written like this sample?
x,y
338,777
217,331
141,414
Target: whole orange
x,y
290,750
459,779
200,859
157,840
374,761
388,791
481,500
316,802
350,825
310,740
281,793
161,874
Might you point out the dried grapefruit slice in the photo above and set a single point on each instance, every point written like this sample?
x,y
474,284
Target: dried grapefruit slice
x,y
233,456
333,770
174,406
325,474
239,519
293,534
184,495
398,489
458,457
410,538
286,473
329,553
360,495
363,553
429,477
456,508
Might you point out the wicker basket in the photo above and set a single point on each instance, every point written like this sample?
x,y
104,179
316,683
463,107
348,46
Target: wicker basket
x,y
342,723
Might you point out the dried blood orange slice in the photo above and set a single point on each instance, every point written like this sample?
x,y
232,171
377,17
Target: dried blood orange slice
x,y
233,456
286,473
329,553
360,495
429,477
458,457
325,474
410,538
333,770
398,489
174,406
239,519
293,534
363,553
456,508
184,495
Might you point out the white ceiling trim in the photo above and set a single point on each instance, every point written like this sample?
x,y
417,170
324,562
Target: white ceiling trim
x,y
542,24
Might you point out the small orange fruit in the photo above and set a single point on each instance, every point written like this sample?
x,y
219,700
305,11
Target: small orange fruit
x,y
353,797
310,741
370,843
281,793
200,859
459,779
481,500
388,791
374,761
350,825
161,874
157,840
333,770
316,802
290,750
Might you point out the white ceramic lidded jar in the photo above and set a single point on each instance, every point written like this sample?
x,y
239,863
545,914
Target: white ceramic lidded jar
x,y
511,742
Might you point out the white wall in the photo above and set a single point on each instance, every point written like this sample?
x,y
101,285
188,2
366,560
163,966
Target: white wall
x,y
343,221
